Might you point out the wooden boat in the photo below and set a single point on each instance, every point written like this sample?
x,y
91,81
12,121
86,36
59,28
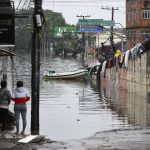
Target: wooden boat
x,y
77,74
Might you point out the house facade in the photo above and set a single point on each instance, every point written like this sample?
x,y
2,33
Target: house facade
x,y
137,21
101,42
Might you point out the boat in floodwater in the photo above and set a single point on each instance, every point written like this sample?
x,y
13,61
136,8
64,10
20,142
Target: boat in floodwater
x,y
68,75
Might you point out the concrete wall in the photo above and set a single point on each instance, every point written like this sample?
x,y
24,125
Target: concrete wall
x,y
129,89
137,89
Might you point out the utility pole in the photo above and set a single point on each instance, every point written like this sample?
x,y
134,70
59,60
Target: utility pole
x,y
36,47
112,28
83,39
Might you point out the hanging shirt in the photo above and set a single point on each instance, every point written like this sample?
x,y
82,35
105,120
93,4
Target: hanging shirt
x,y
126,58
118,52
103,66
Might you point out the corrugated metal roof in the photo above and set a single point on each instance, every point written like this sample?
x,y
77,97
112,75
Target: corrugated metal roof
x,y
104,37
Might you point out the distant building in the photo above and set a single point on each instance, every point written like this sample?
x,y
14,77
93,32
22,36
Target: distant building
x,y
102,44
137,21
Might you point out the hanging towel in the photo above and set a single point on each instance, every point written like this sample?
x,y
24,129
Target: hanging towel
x,y
137,50
103,66
126,58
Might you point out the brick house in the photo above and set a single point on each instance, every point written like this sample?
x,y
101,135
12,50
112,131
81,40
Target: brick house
x,y
137,21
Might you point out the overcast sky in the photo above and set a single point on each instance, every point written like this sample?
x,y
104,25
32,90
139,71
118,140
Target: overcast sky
x,y
71,8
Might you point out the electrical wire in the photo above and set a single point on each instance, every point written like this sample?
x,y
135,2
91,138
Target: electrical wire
x,y
79,2
23,4
82,1
19,4
77,5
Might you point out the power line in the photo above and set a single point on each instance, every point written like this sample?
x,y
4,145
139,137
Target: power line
x,y
19,4
23,4
77,5
82,1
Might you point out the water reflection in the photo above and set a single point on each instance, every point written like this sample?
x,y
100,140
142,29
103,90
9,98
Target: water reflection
x,y
73,110
138,106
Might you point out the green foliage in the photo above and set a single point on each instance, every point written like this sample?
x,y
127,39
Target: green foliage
x,y
24,30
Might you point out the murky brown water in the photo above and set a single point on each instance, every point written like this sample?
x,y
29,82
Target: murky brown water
x,y
68,109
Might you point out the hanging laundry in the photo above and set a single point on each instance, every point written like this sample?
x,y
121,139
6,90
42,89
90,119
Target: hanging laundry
x,y
126,58
118,52
104,67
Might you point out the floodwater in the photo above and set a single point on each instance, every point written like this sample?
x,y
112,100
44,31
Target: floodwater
x,y
70,109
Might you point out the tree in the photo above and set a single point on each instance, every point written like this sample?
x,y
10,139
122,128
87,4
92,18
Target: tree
x,y
24,28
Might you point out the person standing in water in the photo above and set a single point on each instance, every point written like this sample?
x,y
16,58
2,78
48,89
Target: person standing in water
x,y
20,96
5,99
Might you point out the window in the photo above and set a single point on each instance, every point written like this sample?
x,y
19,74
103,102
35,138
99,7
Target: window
x,y
146,34
146,13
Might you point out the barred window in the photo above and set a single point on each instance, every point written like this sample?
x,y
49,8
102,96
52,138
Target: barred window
x,y
146,34
146,13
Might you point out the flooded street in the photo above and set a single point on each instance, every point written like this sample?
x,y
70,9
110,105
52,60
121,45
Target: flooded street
x,y
110,110
71,109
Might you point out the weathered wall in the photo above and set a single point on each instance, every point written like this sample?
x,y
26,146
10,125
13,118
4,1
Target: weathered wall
x,y
137,89
129,89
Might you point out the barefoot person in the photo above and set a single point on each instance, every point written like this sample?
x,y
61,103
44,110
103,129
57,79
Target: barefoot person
x,y
5,99
20,96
